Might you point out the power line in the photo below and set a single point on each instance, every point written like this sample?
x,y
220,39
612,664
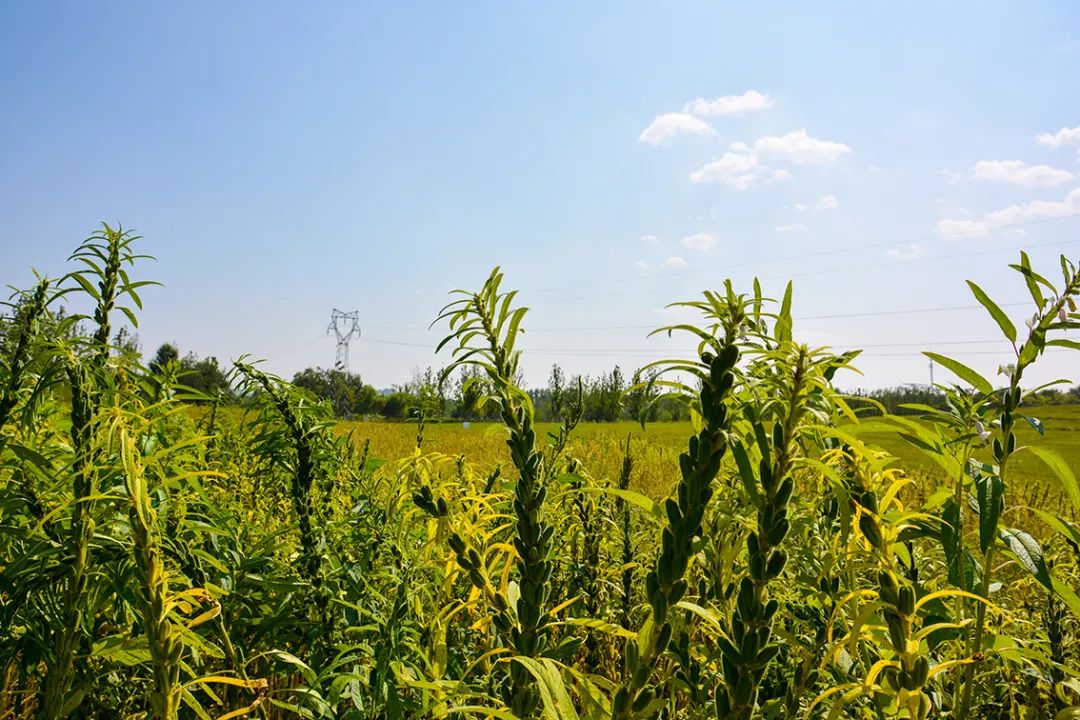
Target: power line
x,y
654,326
659,353
801,256
822,271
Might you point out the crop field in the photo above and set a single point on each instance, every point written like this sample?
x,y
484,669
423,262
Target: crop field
x,y
167,554
599,447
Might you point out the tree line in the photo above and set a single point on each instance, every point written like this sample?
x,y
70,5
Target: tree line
x,y
607,397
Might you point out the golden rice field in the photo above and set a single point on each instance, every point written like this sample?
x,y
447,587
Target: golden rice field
x,y
656,447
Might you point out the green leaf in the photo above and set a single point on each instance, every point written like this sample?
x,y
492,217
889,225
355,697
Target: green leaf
x,y
963,372
951,532
746,473
30,455
1030,350
1024,268
1061,470
783,321
989,490
1069,713
1067,594
290,659
634,498
124,650
1063,342
1060,524
996,312
554,698
1035,423
1028,551
86,285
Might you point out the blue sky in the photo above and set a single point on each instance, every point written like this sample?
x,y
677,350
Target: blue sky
x,y
610,157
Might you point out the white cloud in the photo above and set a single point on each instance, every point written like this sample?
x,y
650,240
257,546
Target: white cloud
x,y
675,263
797,227
1026,212
828,202
952,177
641,265
739,170
1064,136
781,175
699,241
907,252
973,228
651,239
799,148
799,206
670,124
1036,210
1017,172
735,105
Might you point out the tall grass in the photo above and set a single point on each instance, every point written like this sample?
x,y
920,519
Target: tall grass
x,y
775,563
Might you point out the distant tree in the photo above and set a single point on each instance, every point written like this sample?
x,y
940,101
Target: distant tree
x,y
127,343
640,399
428,388
603,396
894,398
1054,396
470,388
167,353
204,375
396,405
346,392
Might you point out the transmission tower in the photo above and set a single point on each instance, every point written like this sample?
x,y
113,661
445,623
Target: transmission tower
x,y
345,326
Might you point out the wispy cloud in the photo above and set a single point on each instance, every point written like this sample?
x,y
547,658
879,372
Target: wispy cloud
x,y
651,239
641,265
793,228
906,252
738,169
799,148
955,228
666,126
675,263
699,241
828,202
1012,215
1018,172
734,105
952,177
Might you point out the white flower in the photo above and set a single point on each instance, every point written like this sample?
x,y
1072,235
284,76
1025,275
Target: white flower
x,y
1062,315
981,431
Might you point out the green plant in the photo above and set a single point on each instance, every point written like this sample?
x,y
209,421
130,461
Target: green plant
x,y
490,317
665,584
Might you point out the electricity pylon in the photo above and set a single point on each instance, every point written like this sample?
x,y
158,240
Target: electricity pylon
x,y
345,326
